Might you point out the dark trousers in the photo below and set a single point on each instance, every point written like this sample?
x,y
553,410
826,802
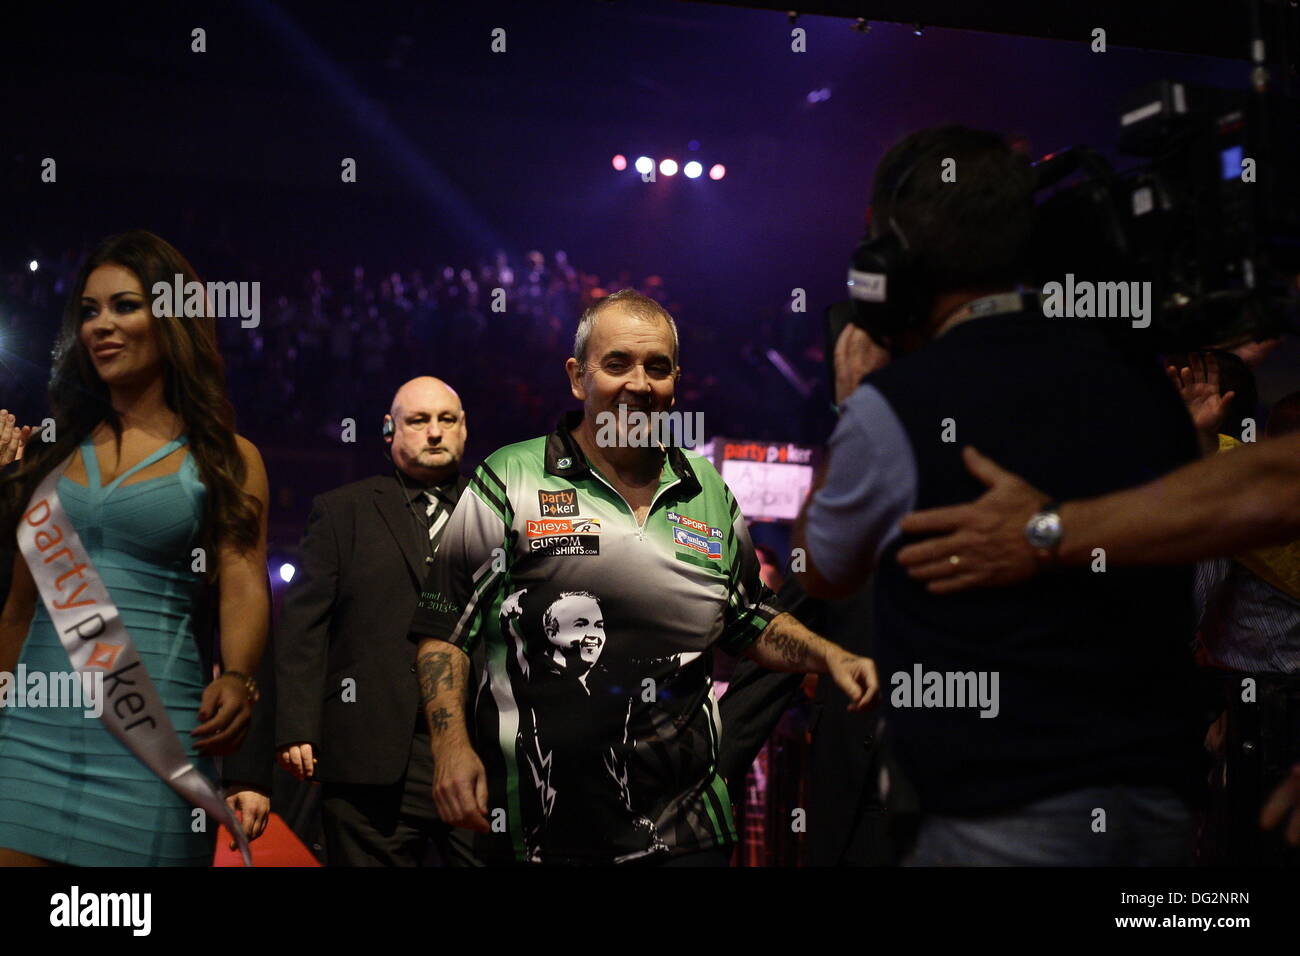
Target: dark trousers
x,y
393,825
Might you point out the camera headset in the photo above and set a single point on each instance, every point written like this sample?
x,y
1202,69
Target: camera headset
x,y
421,529
886,296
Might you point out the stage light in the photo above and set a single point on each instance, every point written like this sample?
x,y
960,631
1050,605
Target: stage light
x,y
693,145
620,162
286,572
718,171
645,165
668,167
693,170
32,265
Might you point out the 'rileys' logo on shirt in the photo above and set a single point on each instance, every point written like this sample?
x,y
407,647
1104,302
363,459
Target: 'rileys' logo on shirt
x,y
558,504
548,526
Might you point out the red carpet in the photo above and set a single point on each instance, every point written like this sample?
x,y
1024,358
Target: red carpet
x,y
277,846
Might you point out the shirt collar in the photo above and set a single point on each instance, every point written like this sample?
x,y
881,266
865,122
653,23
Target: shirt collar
x,y
448,491
564,457
1000,303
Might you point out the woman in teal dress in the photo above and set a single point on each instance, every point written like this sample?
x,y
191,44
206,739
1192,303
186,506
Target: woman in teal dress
x,y
168,501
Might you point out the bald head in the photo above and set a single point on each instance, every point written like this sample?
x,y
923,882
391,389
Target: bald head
x,y
429,430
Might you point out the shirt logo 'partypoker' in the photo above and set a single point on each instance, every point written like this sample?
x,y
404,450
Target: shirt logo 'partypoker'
x,y
558,504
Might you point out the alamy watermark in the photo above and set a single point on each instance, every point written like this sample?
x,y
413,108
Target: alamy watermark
x,y
53,689
220,300
638,429
948,689
1098,300
133,911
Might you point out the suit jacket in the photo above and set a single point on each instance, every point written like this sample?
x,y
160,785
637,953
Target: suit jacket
x,y
345,670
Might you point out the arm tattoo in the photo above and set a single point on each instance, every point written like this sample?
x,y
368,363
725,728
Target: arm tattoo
x,y
793,650
435,675
439,720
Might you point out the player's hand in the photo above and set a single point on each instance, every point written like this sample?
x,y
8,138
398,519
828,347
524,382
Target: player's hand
x,y
251,808
460,786
299,759
1285,799
986,536
226,713
856,676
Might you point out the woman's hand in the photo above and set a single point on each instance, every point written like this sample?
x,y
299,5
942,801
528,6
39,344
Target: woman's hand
x,y
12,438
251,808
226,713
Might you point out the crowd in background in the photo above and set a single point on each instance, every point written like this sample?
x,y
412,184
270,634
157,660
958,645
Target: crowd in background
x,y
330,346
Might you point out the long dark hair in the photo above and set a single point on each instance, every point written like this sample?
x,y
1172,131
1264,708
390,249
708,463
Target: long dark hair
x,y
194,388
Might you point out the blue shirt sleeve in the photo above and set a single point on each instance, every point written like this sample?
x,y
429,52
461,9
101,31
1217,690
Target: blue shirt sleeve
x,y
870,485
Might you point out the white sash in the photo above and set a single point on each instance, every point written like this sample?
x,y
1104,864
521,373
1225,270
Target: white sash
x,y
92,632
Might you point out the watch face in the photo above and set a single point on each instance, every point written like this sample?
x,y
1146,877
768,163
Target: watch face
x,y
1044,530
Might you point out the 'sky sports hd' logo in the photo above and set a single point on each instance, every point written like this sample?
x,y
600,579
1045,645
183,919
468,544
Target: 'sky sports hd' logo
x,y
697,542
692,523
558,504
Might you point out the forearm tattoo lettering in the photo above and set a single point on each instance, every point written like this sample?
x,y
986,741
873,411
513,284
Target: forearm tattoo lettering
x,y
436,674
439,720
793,649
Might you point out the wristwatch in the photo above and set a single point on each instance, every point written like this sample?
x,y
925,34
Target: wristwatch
x,y
1043,531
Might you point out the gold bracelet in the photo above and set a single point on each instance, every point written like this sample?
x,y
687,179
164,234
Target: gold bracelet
x,y
250,685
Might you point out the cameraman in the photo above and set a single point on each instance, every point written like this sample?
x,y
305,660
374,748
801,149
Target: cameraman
x,y
1046,724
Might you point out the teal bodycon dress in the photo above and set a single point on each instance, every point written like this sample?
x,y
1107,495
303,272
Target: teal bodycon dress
x,y
70,792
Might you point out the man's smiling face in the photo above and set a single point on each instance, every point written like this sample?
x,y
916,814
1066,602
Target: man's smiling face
x,y
629,362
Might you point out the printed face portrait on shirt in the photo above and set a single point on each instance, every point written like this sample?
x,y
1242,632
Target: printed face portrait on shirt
x,y
575,625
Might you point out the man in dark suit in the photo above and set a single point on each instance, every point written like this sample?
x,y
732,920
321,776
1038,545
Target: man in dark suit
x,y
349,704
